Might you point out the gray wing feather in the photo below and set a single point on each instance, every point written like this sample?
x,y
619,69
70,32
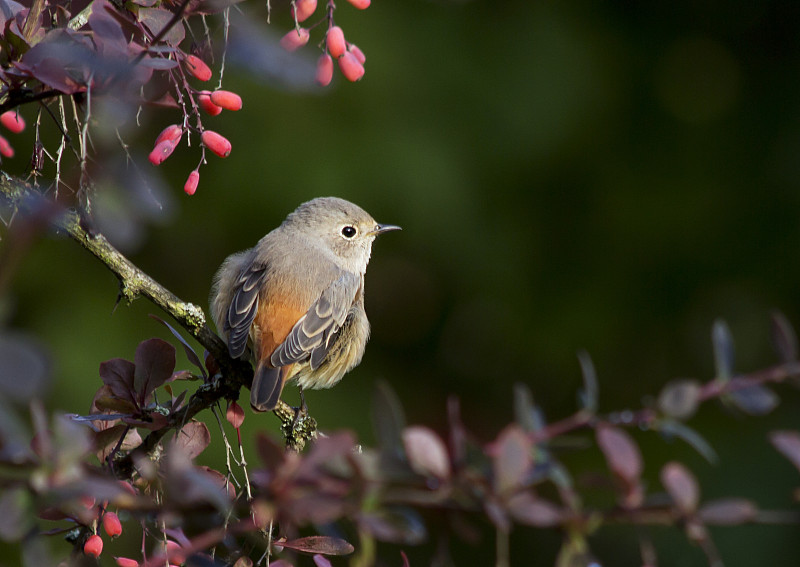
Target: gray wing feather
x,y
314,333
243,308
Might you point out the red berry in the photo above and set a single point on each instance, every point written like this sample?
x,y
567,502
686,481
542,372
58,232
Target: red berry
x,y
5,148
235,415
175,553
216,143
350,67
173,133
93,545
111,524
353,48
13,121
303,9
162,151
360,4
335,41
295,39
204,100
324,70
126,562
197,67
227,100
191,183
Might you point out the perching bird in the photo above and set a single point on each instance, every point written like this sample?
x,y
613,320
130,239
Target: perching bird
x,y
296,299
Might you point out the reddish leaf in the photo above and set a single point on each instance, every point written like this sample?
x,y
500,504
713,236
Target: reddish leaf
x,y
245,561
426,452
511,459
156,19
621,453
405,559
62,61
118,375
235,415
155,362
788,443
106,440
326,545
220,480
272,454
527,509
158,63
193,438
728,512
679,399
681,486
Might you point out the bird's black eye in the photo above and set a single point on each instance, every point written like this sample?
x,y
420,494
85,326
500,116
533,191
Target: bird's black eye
x,y
349,231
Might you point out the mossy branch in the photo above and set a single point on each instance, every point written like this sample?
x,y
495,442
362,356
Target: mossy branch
x,y
135,283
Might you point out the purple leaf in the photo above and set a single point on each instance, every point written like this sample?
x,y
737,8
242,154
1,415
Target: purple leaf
x,y
106,31
403,526
158,63
326,545
728,512
321,561
15,514
118,375
621,452
788,443
155,362
272,454
190,353
511,459
8,10
193,438
681,486
755,399
671,427
63,60
679,399
106,440
527,509
426,452
783,337
156,19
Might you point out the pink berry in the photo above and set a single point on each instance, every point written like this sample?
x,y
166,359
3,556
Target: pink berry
x,y
303,9
235,415
350,67
197,67
204,100
93,545
295,39
191,183
5,148
13,121
360,4
353,48
324,70
173,133
111,524
227,100
126,562
162,151
216,143
335,42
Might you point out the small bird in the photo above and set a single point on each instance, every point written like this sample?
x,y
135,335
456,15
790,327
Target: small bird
x,y
296,299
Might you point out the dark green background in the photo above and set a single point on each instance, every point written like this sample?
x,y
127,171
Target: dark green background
x,y
569,175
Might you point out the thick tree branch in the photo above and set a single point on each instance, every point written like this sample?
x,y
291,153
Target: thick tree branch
x,y
135,283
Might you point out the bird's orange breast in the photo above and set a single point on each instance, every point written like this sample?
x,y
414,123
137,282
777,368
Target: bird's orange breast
x,y
273,322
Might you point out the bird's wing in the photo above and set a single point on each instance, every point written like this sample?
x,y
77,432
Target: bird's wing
x,y
313,334
243,307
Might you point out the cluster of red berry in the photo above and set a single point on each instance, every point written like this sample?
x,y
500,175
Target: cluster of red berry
x,y
14,123
349,57
109,520
212,103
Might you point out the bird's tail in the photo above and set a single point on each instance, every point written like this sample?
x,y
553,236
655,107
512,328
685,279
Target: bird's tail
x,y
267,386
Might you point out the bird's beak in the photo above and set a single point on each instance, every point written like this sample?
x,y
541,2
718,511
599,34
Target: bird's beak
x,y
381,228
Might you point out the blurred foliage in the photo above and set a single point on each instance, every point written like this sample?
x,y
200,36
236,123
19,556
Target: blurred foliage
x,y
602,176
